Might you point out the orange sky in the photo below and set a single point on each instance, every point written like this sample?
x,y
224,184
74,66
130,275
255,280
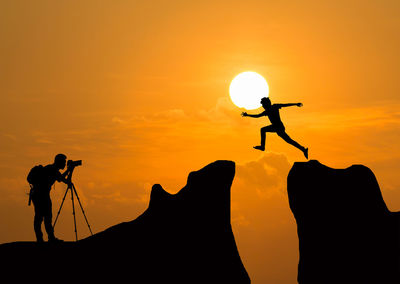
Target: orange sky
x,y
139,91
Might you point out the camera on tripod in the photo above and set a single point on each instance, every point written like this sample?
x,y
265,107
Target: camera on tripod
x,y
72,164
71,187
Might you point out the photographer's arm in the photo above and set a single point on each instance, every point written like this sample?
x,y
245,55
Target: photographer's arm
x,y
66,172
64,177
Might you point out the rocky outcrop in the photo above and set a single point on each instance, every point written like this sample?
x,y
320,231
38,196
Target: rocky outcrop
x,y
346,232
181,238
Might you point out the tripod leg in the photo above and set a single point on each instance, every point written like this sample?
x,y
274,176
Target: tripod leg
x,y
59,210
73,213
83,211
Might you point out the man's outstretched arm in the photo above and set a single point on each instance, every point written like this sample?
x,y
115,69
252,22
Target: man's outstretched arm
x,y
253,115
288,105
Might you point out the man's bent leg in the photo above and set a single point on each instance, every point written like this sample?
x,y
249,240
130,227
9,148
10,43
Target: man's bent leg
x,y
263,132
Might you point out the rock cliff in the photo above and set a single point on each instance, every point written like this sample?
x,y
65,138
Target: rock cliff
x,y
181,238
346,232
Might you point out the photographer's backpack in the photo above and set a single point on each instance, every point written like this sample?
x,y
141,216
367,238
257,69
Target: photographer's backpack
x,y
34,178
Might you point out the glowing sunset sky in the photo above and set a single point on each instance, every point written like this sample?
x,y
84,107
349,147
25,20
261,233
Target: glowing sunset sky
x,y
139,91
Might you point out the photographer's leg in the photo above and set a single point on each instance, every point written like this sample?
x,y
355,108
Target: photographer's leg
x,y
48,216
37,222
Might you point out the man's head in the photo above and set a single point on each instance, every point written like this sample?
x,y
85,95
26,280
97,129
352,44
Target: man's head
x,y
60,161
265,102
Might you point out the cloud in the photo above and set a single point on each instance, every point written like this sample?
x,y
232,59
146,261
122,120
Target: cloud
x,y
224,111
10,136
126,192
126,133
44,141
264,227
256,183
175,114
265,174
118,120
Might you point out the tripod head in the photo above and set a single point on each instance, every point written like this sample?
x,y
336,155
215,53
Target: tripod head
x,y
71,167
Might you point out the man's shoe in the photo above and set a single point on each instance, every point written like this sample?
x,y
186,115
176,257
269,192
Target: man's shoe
x,y
306,153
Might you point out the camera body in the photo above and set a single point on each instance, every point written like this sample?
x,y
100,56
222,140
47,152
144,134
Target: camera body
x,y
73,164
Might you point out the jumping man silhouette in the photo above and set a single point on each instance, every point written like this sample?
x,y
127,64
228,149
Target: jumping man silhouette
x,y
272,111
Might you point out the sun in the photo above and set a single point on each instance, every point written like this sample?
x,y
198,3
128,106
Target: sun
x,y
247,89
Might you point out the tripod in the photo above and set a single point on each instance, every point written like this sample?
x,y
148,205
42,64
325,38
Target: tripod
x,y
72,189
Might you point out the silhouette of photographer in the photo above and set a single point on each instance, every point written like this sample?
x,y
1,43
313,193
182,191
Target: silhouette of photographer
x,y
272,111
41,180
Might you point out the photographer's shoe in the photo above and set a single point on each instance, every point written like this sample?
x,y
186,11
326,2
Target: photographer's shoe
x,y
55,240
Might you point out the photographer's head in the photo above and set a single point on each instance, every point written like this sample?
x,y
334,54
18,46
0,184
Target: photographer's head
x,y
60,161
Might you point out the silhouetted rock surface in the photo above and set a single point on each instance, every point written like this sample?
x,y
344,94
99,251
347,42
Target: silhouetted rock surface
x,y
181,238
346,232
